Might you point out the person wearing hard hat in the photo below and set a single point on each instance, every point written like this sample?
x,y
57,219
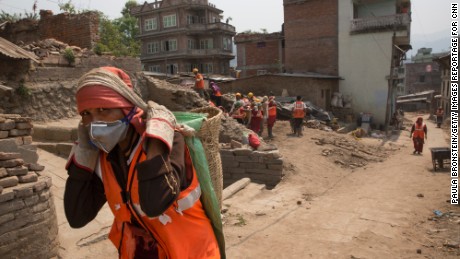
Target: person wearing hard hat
x,y
199,83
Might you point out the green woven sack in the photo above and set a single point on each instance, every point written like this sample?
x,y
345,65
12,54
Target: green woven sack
x,y
208,195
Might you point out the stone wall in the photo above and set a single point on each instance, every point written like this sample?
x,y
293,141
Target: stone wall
x,y
265,167
28,222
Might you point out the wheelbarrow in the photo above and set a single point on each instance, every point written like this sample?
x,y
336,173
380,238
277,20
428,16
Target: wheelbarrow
x,y
438,155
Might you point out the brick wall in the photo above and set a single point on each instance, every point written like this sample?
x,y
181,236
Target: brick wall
x,y
259,52
28,223
311,36
74,29
80,30
312,89
265,167
418,79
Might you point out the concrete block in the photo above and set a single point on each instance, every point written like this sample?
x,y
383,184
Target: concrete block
x,y
23,191
29,156
29,178
20,132
59,134
275,167
240,158
24,125
242,152
8,145
7,125
44,195
6,196
17,171
6,218
11,163
27,140
18,140
234,188
8,156
39,186
226,152
4,134
7,238
274,161
10,206
32,200
9,181
3,172
253,166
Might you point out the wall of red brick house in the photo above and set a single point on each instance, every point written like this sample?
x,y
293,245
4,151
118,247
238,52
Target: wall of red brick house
x,y
259,52
312,89
311,36
80,30
418,79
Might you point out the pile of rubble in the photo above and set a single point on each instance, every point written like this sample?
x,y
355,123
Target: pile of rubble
x,y
47,47
350,153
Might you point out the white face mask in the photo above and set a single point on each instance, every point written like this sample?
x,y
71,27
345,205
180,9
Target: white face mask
x,y
106,135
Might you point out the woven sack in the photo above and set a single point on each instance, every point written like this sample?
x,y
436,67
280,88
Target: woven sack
x,y
209,136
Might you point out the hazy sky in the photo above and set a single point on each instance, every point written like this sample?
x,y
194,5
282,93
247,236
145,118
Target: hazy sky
x,y
430,18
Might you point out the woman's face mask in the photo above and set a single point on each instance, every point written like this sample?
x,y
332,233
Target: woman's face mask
x,y
106,135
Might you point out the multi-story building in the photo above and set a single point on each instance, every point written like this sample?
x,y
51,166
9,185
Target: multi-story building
x,y
445,65
423,73
259,53
179,35
373,36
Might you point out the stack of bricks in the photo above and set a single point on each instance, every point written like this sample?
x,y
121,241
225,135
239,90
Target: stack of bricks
x,y
265,167
28,221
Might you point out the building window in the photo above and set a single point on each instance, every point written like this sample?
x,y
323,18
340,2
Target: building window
x,y
170,45
154,68
169,21
208,68
422,79
191,19
261,44
150,24
227,44
153,47
206,44
191,44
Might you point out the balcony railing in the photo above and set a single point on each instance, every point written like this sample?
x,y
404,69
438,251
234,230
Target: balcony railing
x,y
211,26
388,22
188,52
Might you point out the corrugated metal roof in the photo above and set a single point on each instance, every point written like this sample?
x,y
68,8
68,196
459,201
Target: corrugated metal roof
x,y
417,99
14,51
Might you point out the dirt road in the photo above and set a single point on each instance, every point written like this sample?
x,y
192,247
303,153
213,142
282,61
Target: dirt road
x,y
324,209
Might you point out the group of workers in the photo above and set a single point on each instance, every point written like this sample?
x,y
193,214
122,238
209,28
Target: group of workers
x,y
255,112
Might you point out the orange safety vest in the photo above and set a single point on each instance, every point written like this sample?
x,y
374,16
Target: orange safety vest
x,y
182,231
272,111
199,84
299,110
419,132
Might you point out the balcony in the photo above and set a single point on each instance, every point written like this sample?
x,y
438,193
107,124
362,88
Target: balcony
x,y
189,53
199,27
381,23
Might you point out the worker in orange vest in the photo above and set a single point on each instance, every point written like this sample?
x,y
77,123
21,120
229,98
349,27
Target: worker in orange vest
x,y
418,133
199,83
216,95
271,115
298,114
132,155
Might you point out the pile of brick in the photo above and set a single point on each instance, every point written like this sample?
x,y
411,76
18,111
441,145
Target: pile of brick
x,y
47,47
28,222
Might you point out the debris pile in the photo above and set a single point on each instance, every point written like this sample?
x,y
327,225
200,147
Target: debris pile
x,y
47,47
351,154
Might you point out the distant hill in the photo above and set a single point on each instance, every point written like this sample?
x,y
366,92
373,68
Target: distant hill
x,y
438,41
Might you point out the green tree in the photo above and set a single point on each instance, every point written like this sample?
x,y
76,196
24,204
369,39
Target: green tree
x,y
119,36
68,7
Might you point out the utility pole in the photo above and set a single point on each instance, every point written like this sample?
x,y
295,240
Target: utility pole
x,y
390,84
